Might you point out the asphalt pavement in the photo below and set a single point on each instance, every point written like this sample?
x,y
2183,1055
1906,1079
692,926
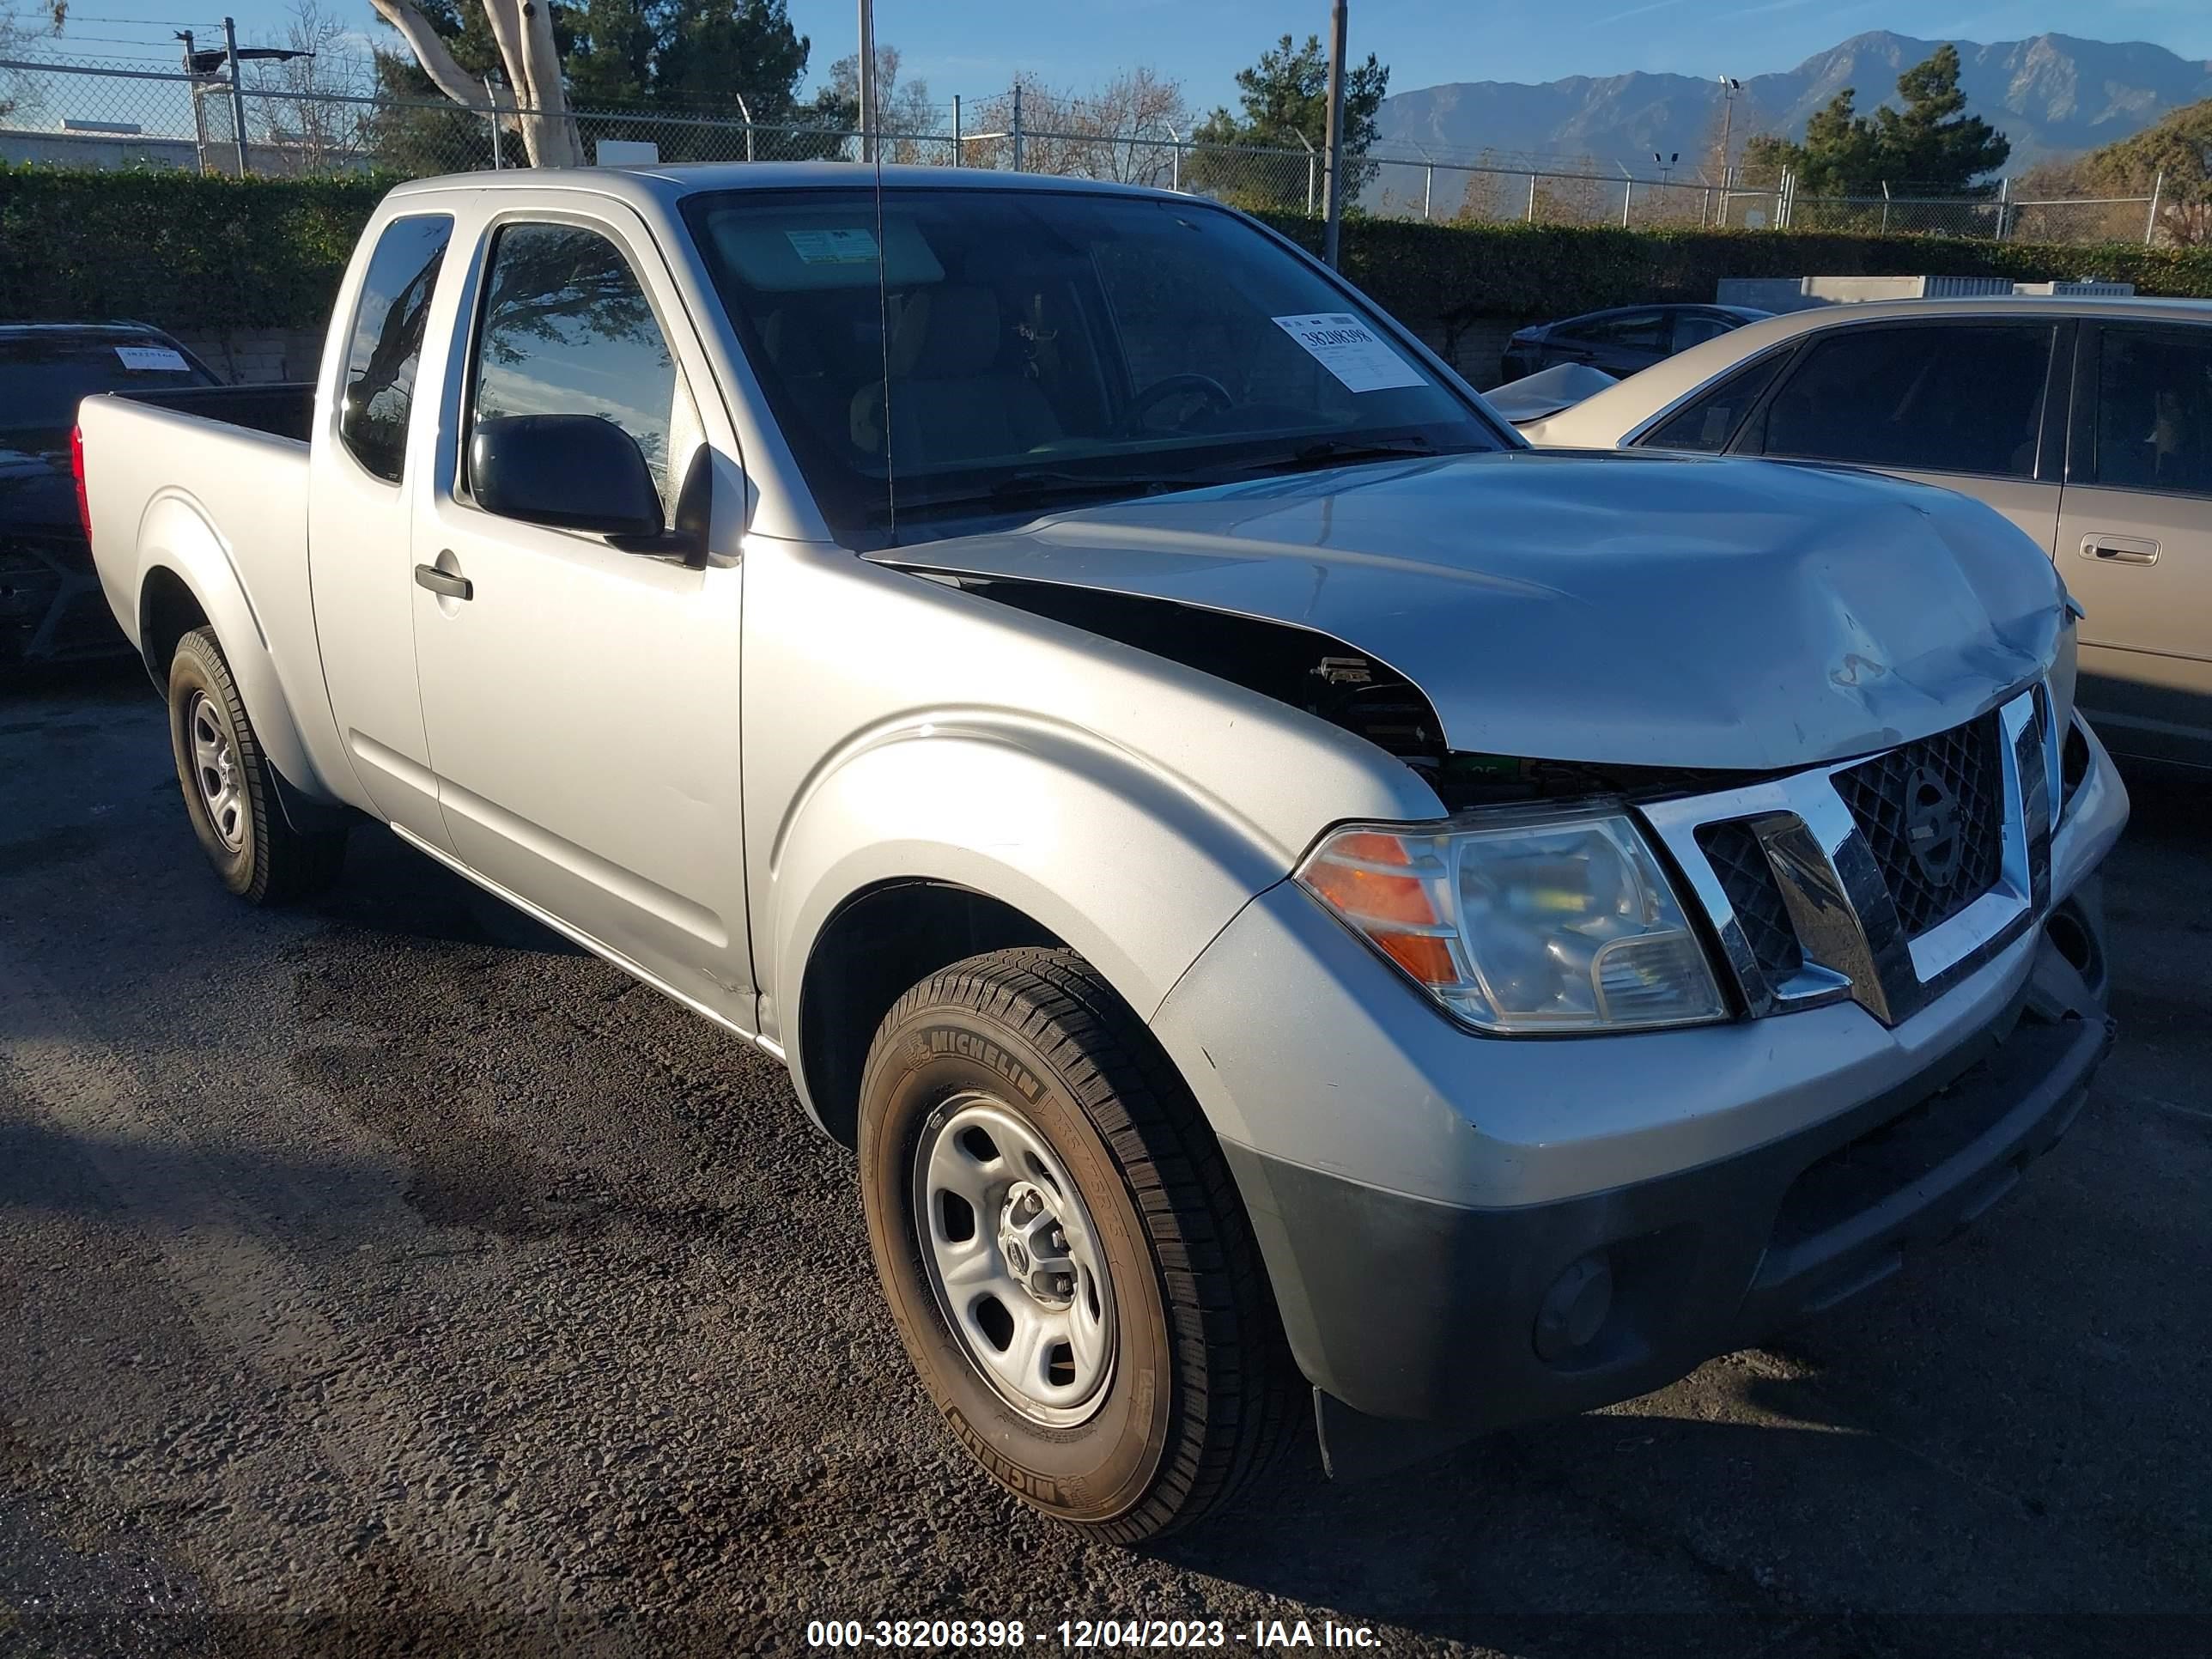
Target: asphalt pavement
x,y
388,1276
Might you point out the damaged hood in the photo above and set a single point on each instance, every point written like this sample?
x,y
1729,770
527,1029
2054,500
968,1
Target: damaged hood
x,y
1599,607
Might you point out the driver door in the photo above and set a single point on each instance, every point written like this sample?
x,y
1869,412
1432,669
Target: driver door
x,y
581,701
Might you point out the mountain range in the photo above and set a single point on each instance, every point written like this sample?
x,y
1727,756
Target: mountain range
x,y
2052,95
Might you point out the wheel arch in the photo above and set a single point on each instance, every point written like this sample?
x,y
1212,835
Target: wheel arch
x,y
876,947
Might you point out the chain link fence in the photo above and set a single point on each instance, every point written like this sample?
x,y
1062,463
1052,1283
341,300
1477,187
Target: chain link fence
x,y
322,116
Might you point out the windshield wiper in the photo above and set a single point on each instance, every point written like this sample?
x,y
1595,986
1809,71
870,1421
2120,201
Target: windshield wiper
x,y
1338,451
1038,484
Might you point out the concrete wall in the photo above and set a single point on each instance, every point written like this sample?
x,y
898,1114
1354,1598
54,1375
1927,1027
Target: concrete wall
x,y
256,356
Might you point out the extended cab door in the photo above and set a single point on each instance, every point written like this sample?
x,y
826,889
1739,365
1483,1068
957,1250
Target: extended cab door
x,y
582,701
366,450
2135,535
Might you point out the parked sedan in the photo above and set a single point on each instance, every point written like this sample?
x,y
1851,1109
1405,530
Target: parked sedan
x,y
50,608
1622,341
2086,421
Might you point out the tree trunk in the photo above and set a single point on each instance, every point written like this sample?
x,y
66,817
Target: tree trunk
x,y
523,30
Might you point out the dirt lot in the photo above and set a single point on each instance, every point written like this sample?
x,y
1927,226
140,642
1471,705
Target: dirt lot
x,y
387,1276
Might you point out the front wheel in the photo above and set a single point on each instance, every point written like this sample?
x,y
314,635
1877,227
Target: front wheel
x,y
230,790
1063,1249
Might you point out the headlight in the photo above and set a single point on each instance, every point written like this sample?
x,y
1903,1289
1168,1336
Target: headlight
x,y
1523,921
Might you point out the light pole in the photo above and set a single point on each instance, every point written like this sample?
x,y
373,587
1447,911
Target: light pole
x,y
867,80
1730,86
1332,180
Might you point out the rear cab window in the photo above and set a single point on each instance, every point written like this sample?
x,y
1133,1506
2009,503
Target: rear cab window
x,y
386,346
45,374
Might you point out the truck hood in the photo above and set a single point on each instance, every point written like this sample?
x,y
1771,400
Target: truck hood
x,y
1599,607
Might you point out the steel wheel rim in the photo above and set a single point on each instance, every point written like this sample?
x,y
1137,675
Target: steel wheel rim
x,y
1021,1277
214,770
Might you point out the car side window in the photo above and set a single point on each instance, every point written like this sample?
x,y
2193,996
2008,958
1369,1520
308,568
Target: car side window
x,y
1640,329
386,346
567,330
1691,329
2155,409
1707,421
1936,398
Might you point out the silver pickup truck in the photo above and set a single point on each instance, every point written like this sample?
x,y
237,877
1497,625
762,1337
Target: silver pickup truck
x,y
1275,879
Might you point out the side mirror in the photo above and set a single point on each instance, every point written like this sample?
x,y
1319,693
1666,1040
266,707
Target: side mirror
x,y
569,471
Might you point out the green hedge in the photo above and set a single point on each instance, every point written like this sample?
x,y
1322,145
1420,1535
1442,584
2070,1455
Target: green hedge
x,y
182,251
176,250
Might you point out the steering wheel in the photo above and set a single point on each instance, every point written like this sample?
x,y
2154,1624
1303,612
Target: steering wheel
x,y
1215,394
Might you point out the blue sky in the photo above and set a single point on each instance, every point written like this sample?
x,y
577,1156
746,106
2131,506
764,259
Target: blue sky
x,y
974,47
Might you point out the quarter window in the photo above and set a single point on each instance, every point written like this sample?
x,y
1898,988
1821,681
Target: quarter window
x,y
386,347
2155,410
1707,422
1949,397
568,331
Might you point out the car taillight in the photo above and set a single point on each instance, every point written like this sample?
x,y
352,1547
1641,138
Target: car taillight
x,y
77,472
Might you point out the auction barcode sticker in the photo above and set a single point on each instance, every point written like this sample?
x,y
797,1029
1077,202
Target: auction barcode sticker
x,y
1350,350
152,359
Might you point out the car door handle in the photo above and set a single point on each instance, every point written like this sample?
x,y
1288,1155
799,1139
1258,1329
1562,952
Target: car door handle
x,y
444,583
2119,550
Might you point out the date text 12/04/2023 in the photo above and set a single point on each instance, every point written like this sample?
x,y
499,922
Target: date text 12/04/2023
x,y
1080,1635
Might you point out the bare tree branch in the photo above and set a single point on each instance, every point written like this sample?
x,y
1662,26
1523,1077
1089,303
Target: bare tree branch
x,y
430,52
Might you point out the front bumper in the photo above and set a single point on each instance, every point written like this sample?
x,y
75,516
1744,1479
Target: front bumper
x,y
1405,1307
1479,1232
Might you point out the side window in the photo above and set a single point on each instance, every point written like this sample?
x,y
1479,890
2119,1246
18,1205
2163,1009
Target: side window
x,y
567,330
1707,421
1937,397
2155,410
1646,329
1693,329
387,340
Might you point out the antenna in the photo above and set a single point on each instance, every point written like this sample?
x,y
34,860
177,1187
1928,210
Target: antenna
x,y
884,328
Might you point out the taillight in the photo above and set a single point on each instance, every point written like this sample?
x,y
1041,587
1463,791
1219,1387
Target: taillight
x,y
77,472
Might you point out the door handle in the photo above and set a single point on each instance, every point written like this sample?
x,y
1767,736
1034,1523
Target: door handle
x,y
444,583
2119,550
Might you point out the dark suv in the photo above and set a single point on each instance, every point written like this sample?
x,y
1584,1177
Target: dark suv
x,y
50,608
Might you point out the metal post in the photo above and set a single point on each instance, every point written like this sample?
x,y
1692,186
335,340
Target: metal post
x,y
1532,199
237,92
1015,134
744,110
1308,143
1627,190
491,115
2150,225
1333,197
199,111
2004,203
1175,161
1428,186
956,129
867,80
1885,207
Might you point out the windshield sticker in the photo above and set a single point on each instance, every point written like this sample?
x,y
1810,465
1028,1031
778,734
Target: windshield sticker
x,y
834,247
1350,350
153,360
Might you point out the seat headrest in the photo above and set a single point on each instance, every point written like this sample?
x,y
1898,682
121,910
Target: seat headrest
x,y
946,333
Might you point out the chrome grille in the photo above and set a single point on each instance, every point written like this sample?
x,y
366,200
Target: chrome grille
x,y
1749,879
1814,888
1946,794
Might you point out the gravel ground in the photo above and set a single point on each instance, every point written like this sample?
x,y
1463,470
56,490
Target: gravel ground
x,y
387,1276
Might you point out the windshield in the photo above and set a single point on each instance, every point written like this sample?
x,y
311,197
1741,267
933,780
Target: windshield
x,y
1033,348
43,378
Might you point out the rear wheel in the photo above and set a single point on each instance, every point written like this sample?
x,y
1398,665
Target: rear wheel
x,y
1063,1249
230,792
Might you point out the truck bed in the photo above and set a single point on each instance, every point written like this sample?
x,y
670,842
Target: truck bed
x,y
285,409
